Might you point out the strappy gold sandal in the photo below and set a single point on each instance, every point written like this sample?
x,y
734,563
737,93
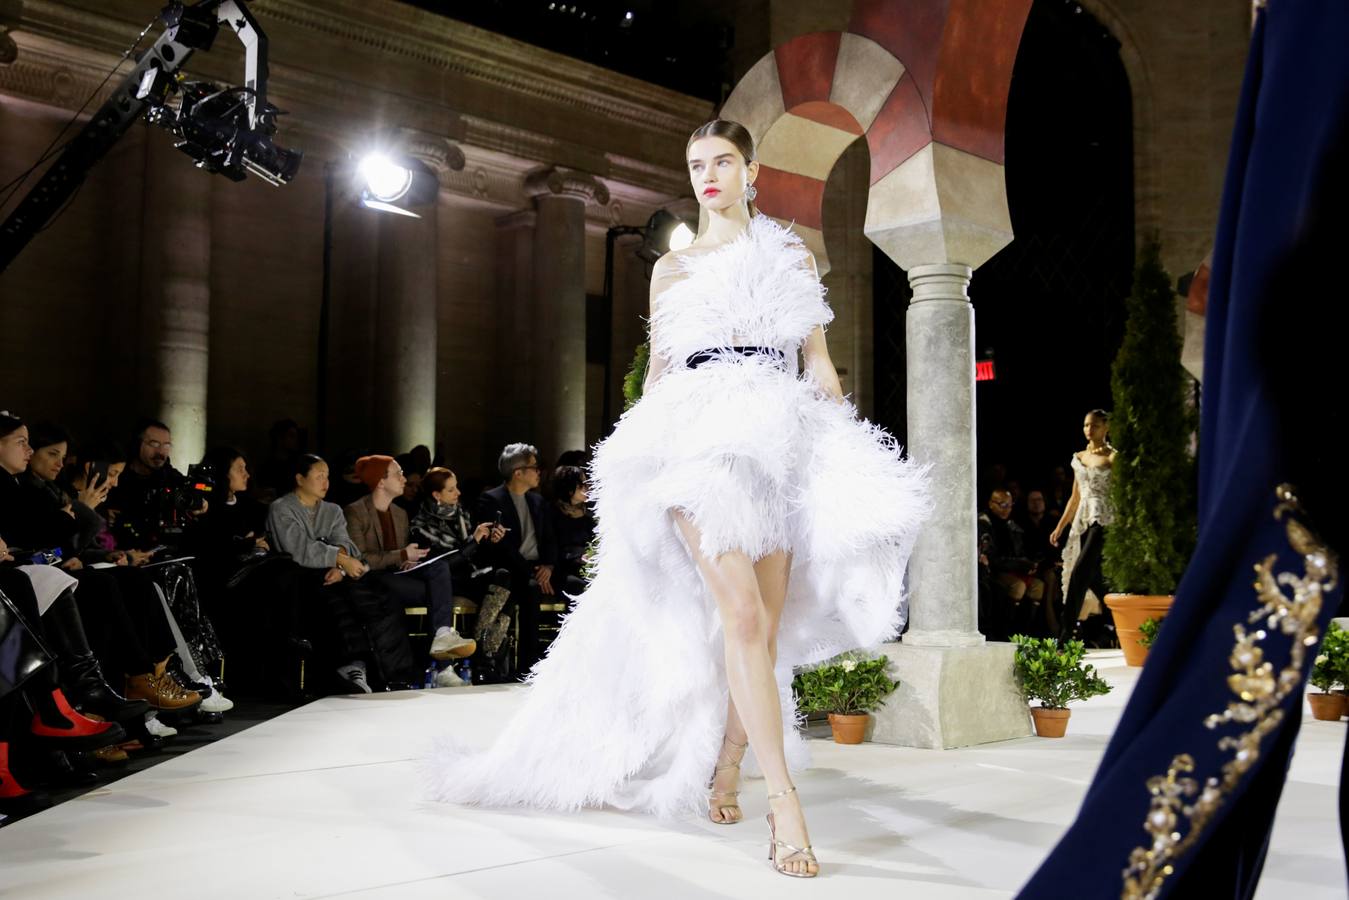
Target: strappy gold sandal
x,y
715,806
795,853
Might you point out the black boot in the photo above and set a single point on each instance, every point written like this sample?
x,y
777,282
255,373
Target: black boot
x,y
84,683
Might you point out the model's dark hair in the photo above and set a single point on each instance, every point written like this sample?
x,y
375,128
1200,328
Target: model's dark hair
x,y
9,423
1100,415
734,132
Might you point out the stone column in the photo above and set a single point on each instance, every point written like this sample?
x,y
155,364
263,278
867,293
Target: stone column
x,y
943,573
405,332
176,296
406,329
955,689
560,199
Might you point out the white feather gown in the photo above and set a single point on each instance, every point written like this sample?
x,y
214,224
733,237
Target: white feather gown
x,y
628,707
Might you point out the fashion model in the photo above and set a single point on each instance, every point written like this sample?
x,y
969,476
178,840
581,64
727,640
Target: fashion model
x,y
1087,515
749,523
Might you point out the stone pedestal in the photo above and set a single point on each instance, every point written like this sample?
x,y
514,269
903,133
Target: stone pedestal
x,y
176,297
951,697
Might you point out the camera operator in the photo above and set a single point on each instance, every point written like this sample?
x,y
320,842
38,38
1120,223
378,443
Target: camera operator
x,y
153,502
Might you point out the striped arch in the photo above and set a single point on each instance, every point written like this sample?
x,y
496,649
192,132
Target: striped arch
x,y
925,84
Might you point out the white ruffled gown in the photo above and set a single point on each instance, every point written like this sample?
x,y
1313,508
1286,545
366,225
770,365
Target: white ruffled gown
x,y
629,706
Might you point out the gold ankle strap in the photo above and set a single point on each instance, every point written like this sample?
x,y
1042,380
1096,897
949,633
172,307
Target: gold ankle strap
x,y
780,794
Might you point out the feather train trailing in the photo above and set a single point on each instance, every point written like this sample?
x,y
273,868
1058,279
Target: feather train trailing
x,y
628,707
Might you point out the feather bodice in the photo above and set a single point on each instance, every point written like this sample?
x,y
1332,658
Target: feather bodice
x,y
757,290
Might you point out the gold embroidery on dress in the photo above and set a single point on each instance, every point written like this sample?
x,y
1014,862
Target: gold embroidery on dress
x,y
1259,692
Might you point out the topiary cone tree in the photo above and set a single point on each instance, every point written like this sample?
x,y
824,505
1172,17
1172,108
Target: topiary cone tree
x,y
1152,484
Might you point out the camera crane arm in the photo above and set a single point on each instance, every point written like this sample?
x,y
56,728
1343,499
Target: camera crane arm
x,y
229,145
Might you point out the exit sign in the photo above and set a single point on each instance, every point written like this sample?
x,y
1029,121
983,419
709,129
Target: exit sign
x,y
983,370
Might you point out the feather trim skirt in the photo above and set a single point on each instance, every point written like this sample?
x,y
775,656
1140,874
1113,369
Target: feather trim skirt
x,y
627,708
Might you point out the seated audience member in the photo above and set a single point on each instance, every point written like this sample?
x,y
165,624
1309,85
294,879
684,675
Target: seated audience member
x,y
573,527
442,525
1013,573
129,630
199,650
34,712
528,549
141,509
253,592
380,530
364,624
1036,526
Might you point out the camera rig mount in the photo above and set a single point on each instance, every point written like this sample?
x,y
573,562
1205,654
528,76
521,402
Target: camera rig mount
x,y
227,130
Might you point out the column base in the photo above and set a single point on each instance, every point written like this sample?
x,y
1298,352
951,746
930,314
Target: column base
x,y
951,697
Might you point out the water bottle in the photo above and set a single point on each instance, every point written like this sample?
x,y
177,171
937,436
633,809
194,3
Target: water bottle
x,y
430,680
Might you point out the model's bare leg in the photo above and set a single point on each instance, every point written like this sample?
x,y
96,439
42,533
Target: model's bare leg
x,y
771,573
733,582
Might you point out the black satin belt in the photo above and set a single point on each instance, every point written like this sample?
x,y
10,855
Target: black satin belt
x,y
703,356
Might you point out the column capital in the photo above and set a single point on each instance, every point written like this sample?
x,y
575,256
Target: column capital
x,y
441,154
566,183
940,281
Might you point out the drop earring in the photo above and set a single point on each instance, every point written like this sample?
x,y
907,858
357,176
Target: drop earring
x,y
751,192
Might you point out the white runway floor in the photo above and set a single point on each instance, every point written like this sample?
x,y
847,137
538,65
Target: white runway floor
x,y
323,802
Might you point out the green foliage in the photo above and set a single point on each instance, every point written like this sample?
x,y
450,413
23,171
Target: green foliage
x,y
1331,667
632,382
1055,675
1152,482
1148,632
849,684
589,560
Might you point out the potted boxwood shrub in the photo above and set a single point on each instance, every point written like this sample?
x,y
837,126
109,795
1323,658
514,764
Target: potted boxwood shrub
x,y
1056,676
1152,479
1331,668
848,688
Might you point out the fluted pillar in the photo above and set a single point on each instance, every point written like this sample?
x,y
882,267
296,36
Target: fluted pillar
x,y
943,574
176,296
560,199
406,327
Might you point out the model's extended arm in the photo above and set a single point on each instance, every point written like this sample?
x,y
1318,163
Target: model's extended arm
x,y
815,354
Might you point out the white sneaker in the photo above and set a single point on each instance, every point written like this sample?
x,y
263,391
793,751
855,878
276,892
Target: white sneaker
x,y
449,678
157,728
447,644
354,675
217,702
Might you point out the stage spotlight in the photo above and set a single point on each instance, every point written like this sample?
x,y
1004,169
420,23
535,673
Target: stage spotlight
x,y
659,236
681,237
385,180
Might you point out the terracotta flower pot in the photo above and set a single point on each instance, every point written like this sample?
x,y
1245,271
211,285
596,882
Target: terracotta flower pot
x,y
1050,723
1327,707
1131,611
848,729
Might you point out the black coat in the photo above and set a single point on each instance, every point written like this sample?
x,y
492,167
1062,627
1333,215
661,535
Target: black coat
x,y
506,552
